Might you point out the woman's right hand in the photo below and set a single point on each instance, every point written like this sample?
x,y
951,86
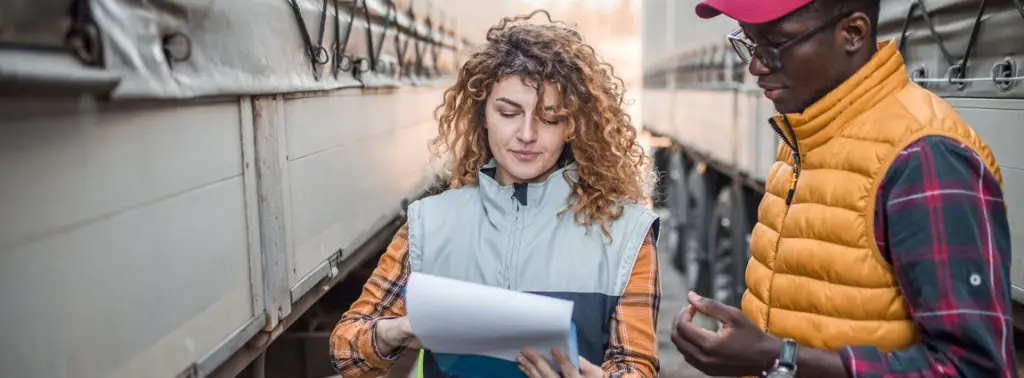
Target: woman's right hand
x,y
535,366
394,333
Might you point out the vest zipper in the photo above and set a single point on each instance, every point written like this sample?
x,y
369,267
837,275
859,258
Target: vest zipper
x,y
513,246
793,145
796,155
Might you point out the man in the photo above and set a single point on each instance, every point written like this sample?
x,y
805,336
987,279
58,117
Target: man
x,y
882,247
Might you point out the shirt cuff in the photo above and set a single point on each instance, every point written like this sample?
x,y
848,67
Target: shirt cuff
x,y
863,361
369,342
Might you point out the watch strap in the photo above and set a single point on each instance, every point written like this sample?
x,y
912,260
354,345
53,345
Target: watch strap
x,y
787,357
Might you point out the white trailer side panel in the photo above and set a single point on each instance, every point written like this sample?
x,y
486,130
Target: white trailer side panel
x,y
756,143
124,240
334,202
706,121
657,110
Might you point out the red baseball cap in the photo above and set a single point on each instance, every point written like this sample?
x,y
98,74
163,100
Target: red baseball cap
x,y
749,11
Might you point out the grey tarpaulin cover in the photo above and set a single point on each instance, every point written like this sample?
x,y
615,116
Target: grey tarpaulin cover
x,y
172,49
40,23
941,38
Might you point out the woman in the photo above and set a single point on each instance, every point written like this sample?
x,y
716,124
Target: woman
x,y
547,183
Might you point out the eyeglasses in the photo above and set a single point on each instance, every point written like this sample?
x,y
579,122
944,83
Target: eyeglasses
x,y
771,56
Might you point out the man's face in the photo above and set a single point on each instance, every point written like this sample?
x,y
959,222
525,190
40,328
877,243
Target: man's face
x,y
810,67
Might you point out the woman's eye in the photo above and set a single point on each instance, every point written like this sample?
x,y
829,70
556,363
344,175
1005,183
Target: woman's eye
x,y
508,115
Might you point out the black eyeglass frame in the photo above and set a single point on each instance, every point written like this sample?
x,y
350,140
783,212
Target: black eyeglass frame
x,y
771,56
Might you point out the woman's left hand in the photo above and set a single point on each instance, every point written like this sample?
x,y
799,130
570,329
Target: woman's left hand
x,y
535,366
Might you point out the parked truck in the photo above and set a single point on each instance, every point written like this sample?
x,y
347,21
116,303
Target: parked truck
x,y
182,179
716,147
185,183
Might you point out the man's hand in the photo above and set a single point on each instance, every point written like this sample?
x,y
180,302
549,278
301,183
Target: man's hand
x,y
739,348
535,366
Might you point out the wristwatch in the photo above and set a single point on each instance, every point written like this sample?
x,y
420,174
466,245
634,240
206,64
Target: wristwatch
x,y
785,365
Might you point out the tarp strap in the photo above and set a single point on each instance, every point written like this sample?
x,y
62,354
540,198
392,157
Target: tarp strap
x,y
84,36
375,49
345,62
442,32
420,49
959,70
931,27
317,53
402,44
1020,7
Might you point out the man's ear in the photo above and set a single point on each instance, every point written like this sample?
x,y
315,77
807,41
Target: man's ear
x,y
856,32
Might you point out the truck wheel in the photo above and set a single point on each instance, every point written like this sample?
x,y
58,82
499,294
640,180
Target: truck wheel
x,y
695,231
729,246
676,197
662,169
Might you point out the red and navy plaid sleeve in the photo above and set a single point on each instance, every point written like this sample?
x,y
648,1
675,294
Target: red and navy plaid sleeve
x,y
941,222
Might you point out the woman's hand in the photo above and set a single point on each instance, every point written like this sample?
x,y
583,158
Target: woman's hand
x,y
394,333
535,366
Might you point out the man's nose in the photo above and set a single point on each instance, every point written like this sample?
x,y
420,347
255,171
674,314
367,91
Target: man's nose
x,y
757,68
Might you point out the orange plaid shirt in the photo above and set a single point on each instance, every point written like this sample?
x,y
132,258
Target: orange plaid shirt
x,y
632,349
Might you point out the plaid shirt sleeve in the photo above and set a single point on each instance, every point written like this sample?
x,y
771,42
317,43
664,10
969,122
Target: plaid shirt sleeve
x,y
633,348
353,346
942,224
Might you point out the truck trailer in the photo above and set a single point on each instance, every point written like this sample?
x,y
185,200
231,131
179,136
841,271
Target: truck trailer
x,y
199,188
715,146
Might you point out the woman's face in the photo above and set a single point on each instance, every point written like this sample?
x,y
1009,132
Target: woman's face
x,y
526,145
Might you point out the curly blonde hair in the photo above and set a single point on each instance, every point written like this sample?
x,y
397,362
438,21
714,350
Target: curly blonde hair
x,y
600,136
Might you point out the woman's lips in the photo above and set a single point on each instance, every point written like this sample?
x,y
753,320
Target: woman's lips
x,y
525,156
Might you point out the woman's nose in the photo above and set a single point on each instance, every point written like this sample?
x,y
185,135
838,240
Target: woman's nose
x,y
527,132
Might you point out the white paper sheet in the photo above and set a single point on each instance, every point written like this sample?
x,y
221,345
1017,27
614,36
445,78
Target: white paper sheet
x,y
451,316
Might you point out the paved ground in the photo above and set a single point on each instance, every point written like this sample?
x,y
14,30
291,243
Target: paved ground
x,y
673,286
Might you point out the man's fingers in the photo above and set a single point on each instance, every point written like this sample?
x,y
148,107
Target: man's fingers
x,y
690,333
714,309
681,317
693,353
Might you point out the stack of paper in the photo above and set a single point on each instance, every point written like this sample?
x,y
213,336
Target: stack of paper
x,y
473,328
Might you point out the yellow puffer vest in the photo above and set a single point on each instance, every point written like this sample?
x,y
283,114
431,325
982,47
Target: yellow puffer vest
x,y
816,274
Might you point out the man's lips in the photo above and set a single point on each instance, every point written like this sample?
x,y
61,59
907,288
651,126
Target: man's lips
x,y
772,92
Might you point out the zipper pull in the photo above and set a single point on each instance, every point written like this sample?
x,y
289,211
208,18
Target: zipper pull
x,y
792,190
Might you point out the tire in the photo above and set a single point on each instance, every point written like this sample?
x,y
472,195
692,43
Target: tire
x,y
729,247
676,197
694,234
661,169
